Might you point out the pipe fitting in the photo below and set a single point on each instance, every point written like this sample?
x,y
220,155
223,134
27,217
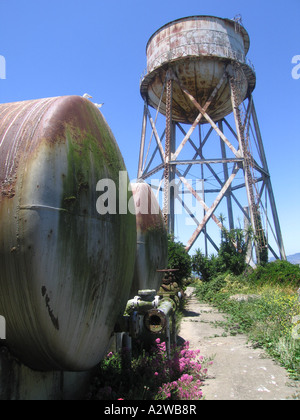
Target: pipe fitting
x,y
156,319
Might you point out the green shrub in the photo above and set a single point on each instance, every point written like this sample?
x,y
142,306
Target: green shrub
x,y
279,272
232,253
207,291
179,259
204,266
231,256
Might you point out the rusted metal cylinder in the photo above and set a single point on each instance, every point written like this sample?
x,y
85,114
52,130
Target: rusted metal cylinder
x,y
197,50
155,319
152,245
65,270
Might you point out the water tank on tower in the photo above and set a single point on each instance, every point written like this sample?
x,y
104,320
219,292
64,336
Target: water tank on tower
x,y
197,50
198,74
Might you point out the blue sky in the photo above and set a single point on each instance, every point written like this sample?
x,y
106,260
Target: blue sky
x,y
66,47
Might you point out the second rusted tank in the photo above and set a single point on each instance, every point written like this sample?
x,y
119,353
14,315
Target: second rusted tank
x,y
152,240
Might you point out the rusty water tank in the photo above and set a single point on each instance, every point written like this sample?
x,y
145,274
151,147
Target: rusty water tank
x,y
197,49
152,240
65,270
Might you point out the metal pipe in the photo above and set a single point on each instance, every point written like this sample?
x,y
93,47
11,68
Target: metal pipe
x,y
139,305
156,319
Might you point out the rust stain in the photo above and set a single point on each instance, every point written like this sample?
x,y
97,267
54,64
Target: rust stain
x,y
50,311
18,125
24,124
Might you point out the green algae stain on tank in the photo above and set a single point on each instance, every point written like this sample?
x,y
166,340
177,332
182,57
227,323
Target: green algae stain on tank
x,y
93,156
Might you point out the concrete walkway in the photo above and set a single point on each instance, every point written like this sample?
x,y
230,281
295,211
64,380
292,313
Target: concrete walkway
x,y
239,372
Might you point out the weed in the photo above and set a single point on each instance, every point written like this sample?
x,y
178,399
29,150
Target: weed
x,y
267,319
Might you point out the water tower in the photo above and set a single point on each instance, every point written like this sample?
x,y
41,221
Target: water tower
x,y
200,82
